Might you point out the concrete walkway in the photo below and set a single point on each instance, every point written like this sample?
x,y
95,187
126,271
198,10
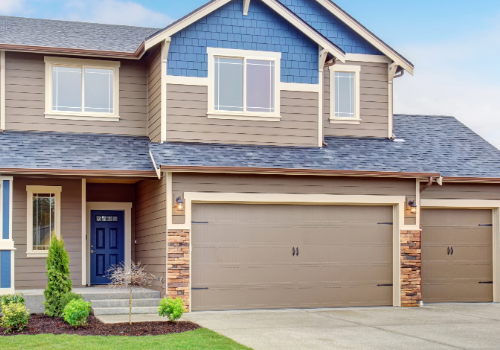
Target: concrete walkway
x,y
436,326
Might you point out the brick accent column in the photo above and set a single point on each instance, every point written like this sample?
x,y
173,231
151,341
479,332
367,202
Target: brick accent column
x,y
411,264
178,265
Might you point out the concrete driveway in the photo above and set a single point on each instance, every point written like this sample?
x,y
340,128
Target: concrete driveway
x,y
436,326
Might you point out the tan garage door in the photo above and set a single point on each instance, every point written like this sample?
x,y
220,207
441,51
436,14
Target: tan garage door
x,y
457,255
281,256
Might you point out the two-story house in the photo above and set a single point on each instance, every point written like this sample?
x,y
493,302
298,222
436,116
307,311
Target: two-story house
x,y
248,154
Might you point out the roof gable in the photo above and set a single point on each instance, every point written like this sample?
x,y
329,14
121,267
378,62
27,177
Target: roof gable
x,y
331,27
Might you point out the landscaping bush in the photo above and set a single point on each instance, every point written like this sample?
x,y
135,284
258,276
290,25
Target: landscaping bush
x,y
58,282
15,317
12,298
76,312
173,308
68,297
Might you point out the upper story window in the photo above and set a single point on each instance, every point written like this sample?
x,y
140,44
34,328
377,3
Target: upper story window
x,y
81,89
243,84
345,94
44,218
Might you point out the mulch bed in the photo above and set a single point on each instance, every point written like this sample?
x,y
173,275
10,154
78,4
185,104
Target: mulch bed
x,y
41,324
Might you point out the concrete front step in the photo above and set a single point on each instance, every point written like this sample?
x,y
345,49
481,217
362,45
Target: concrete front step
x,y
105,303
125,310
113,294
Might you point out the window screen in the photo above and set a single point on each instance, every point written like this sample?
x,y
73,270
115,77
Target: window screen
x,y
260,86
98,90
67,89
228,84
344,95
43,220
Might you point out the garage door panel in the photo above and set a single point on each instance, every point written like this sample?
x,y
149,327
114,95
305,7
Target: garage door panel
x,y
454,275
243,255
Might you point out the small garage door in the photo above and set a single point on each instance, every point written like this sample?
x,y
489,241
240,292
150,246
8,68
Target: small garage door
x,y
284,256
457,255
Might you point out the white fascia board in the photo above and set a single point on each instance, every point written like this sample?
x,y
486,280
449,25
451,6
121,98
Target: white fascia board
x,y
367,35
273,4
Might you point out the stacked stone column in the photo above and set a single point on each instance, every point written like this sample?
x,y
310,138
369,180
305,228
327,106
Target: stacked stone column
x,y
178,265
411,266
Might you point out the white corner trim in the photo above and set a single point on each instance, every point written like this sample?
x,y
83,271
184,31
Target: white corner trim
x,y
165,46
367,58
322,56
357,92
179,80
366,34
301,87
2,90
246,5
126,207
11,209
84,230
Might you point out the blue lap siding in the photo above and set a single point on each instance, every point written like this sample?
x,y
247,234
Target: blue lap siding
x,y
262,30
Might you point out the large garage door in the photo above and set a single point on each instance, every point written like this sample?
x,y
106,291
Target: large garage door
x,y
457,255
281,256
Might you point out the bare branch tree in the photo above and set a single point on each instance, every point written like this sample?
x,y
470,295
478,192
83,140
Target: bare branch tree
x,y
129,276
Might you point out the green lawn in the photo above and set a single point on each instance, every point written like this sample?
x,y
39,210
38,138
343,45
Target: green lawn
x,y
201,338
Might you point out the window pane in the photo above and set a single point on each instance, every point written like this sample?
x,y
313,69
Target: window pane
x,y
260,86
43,220
228,84
344,95
98,90
67,89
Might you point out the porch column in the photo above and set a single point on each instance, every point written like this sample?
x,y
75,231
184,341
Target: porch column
x,y
411,267
6,240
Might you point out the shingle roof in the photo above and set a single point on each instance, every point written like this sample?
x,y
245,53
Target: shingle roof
x,y
74,35
432,144
44,150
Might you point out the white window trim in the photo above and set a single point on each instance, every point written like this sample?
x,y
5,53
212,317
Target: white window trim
x,y
357,92
245,54
56,190
50,62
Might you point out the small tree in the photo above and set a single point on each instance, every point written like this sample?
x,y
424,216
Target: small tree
x,y
129,276
58,273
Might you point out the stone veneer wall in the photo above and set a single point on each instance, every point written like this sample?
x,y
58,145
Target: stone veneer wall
x,y
411,266
178,265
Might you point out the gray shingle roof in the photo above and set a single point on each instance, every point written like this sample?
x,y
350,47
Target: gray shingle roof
x,y
74,35
43,150
433,144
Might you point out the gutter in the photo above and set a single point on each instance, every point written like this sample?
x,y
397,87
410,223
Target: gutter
x,y
287,171
79,172
458,179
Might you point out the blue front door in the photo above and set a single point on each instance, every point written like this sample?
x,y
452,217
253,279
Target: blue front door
x,y
107,246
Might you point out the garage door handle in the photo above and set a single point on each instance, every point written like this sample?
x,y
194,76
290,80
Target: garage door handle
x,y
487,282
451,250
297,251
448,250
293,251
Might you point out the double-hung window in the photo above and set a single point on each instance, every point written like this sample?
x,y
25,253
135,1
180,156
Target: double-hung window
x,y
81,89
243,84
345,94
44,218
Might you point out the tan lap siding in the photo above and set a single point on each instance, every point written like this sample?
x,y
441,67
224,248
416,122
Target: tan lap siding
x,y
462,191
150,229
187,120
31,272
25,99
154,97
374,103
190,182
